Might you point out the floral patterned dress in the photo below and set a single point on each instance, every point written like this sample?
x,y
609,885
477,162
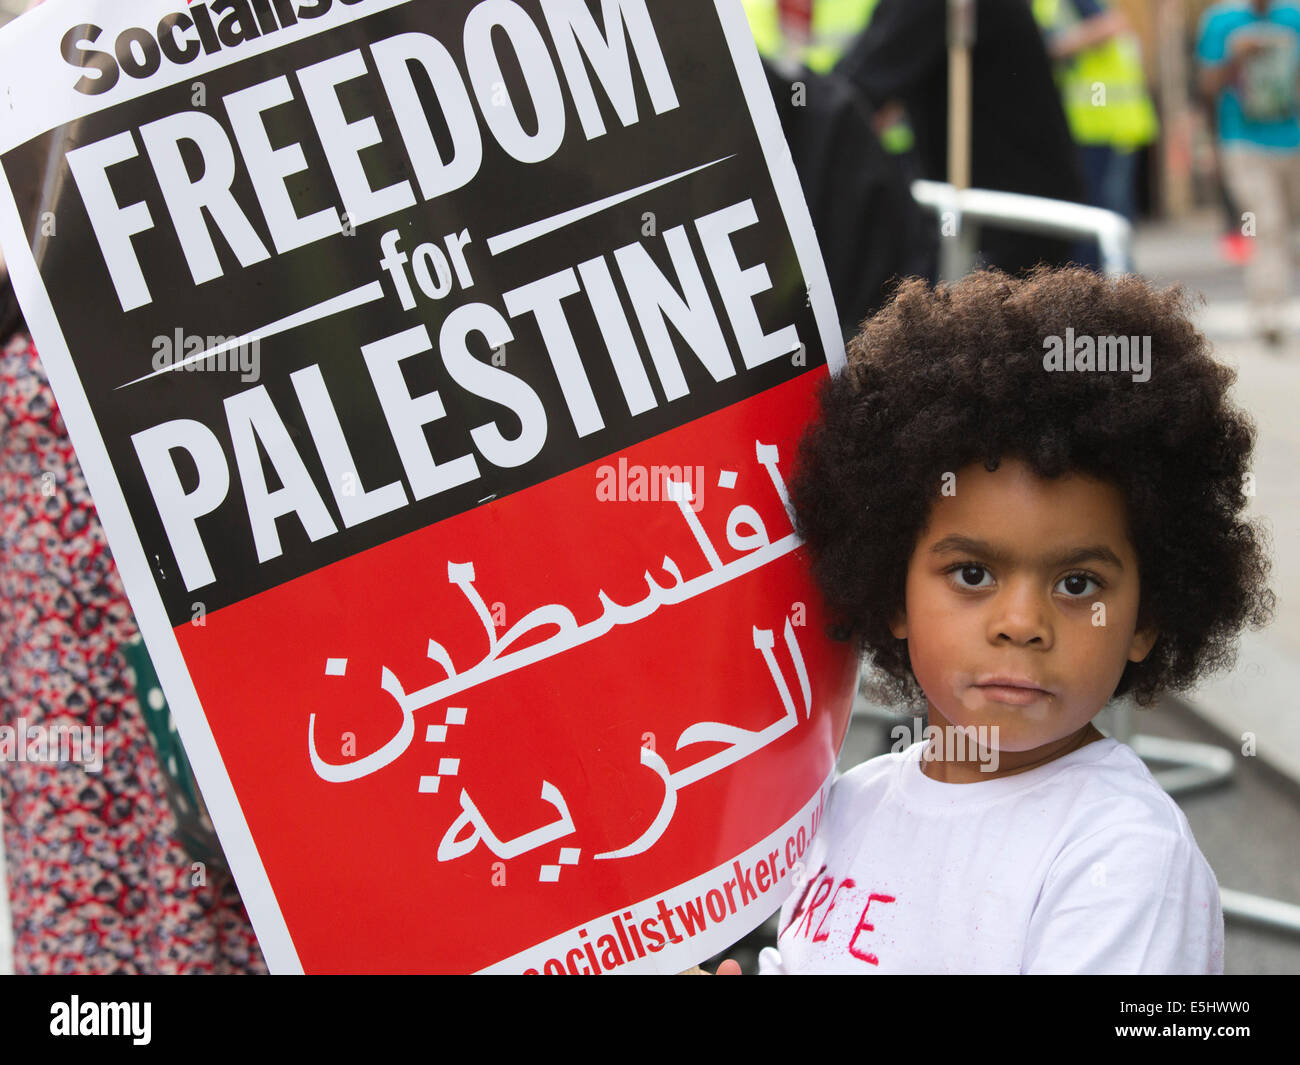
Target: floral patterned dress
x,y
97,880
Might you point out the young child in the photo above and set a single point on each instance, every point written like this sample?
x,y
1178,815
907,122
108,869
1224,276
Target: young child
x,y
1022,536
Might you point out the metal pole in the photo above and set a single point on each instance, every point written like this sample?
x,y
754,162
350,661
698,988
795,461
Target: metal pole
x,y
959,248
961,37
1176,111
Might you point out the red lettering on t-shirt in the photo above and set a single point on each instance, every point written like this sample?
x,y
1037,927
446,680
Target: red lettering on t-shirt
x,y
863,926
819,935
819,896
799,906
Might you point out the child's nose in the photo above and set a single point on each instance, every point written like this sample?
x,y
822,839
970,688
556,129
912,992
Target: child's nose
x,y
1021,616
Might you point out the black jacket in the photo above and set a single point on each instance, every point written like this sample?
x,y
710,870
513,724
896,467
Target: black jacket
x,y
868,226
1020,139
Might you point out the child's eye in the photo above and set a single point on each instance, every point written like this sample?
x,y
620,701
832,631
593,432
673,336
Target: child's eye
x,y
967,575
1076,585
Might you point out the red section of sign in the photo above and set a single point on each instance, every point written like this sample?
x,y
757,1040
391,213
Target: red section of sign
x,y
355,864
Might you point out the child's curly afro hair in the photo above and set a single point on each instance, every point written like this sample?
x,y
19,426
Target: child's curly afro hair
x,y
941,378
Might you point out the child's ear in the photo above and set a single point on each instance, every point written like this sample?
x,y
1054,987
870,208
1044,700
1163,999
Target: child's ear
x,y
1143,641
898,626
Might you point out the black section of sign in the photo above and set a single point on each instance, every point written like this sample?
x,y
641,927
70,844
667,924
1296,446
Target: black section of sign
x,y
110,347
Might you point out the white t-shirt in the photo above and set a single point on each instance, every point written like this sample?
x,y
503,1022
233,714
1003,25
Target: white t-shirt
x,y
1083,865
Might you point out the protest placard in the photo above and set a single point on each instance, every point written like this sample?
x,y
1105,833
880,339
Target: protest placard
x,y
437,371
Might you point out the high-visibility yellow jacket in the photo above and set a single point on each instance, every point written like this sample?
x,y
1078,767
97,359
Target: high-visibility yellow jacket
x,y
1103,88
834,25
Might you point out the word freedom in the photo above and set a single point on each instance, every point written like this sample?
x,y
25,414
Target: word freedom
x,y
172,142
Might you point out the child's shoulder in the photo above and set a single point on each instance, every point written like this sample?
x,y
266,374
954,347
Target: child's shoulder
x,y
1115,788
875,771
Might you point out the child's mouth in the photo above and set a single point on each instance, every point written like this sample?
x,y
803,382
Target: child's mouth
x,y
1015,696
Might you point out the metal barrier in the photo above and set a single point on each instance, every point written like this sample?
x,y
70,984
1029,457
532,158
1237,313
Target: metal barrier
x,y
967,209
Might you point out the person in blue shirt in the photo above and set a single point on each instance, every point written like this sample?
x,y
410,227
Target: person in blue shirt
x,y
1249,55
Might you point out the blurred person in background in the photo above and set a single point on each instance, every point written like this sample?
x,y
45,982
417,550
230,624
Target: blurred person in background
x,y
1234,245
1103,87
869,228
1019,138
99,880
815,34
810,33
1249,55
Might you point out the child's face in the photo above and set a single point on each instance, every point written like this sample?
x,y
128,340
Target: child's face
x,y
1027,580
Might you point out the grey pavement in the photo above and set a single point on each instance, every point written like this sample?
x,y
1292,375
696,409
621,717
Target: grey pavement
x,y
1258,696
1249,829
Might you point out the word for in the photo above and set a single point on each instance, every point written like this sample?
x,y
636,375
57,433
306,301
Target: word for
x,y
975,743
181,352
102,1018
644,484
1084,353
61,744
426,261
